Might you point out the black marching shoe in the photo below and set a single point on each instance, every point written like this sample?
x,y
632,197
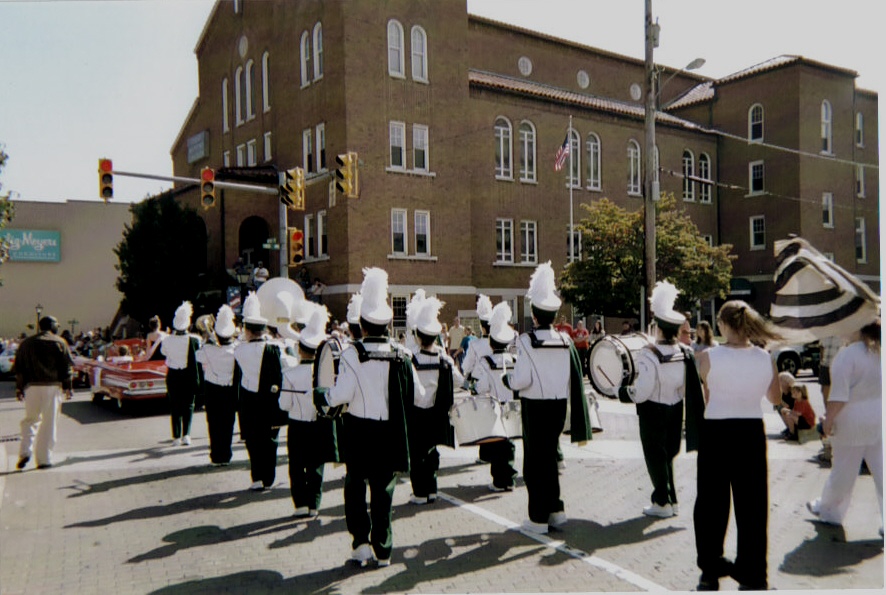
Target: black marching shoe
x,y
22,462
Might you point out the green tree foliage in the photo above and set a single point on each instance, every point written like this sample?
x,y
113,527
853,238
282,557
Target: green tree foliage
x,y
161,258
7,211
608,278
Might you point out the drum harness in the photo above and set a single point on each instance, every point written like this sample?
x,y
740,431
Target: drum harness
x,y
493,365
555,343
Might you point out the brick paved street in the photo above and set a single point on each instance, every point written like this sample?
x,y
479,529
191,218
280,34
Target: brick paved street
x,y
123,511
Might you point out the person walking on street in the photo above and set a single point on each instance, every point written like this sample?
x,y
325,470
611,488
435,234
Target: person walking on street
x,y
182,374
44,370
581,337
217,361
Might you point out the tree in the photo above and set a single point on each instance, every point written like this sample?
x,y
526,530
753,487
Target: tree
x,y
7,211
609,277
161,258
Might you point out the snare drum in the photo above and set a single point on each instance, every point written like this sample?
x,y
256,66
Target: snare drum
x,y
611,363
477,420
593,414
326,363
511,419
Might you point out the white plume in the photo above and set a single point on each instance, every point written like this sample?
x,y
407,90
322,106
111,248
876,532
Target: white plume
x,y
354,308
664,294
318,321
252,307
182,319
427,318
413,308
501,316
542,283
374,290
224,323
484,307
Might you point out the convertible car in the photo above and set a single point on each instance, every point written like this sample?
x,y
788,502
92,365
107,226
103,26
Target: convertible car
x,y
130,377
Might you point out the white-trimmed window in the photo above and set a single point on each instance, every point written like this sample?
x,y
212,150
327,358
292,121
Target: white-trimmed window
x,y
241,155
318,52
268,154
756,177
239,100
398,306
321,147
420,147
226,159
758,232
396,66
688,174
504,240
423,233
827,210
574,159
398,231
859,129
419,54
307,148
827,130
755,123
398,144
504,164
310,235
634,187
573,251
251,157
225,116
704,172
305,58
859,181
527,151
322,234
709,239
594,174
529,242
250,85
265,82
861,241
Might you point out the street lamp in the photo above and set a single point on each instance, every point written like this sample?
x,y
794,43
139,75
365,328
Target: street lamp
x,y
39,309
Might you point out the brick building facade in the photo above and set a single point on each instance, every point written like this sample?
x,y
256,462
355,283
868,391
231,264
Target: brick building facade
x,y
456,120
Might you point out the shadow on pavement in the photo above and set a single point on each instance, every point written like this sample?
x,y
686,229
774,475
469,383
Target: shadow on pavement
x,y
590,537
828,553
264,581
87,412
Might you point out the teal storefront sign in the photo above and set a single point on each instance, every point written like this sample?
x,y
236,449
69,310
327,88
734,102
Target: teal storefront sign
x,y
33,245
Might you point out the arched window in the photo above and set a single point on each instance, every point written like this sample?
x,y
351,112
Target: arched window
x,y
827,133
265,82
318,51
527,151
250,86
704,172
239,102
396,60
575,159
419,54
634,168
688,173
594,175
305,55
504,168
755,123
225,119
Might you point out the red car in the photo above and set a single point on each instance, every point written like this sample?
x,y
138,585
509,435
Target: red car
x,y
126,377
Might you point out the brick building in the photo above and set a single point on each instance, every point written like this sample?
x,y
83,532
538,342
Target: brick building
x,y
456,120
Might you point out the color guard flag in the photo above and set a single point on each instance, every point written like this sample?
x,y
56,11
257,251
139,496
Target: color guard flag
x,y
562,154
816,298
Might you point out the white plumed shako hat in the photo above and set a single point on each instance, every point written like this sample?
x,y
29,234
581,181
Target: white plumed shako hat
x,y
543,289
413,308
484,307
314,332
224,322
252,311
428,321
500,329
354,308
182,319
664,294
375,308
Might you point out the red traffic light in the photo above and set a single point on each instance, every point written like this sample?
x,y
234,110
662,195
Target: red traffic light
x,y
105,165
105,179
297,236
207,175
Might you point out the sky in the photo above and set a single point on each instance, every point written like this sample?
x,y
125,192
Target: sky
x,y
81,80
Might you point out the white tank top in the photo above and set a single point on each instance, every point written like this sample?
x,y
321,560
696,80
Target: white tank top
x,y
737,381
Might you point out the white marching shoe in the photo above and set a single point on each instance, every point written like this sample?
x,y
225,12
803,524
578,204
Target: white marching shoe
x,y
557,519
656,510
362,554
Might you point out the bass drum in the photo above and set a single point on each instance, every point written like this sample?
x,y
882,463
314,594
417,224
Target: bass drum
x,y
611,364
477,420
326,363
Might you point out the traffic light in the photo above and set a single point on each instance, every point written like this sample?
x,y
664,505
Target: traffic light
x,y
347,176
207,188
296,246
105,179
292,188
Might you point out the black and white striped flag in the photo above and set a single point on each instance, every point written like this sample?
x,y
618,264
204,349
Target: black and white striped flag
x,y
815,298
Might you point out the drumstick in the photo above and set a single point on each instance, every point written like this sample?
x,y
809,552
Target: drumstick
x,y
605,376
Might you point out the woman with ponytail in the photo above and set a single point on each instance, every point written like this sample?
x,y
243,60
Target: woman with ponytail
x,y
736,376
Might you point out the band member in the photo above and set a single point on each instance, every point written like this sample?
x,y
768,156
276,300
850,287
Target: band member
x,y
182,375
260,371
220,386
547,373
477,350
659,391
354,317
489,372
412,309
428,417
376,378
311,440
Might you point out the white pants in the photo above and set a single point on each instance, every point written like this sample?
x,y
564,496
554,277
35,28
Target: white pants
x,y
845,463
41,414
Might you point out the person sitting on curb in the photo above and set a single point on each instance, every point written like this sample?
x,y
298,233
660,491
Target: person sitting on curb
x,y
801,416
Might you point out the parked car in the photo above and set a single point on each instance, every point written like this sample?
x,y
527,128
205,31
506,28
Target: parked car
x,y
793,358
7,360
124,378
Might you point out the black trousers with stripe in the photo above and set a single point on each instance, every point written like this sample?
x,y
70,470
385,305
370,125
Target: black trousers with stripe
x,y
543,422
661,428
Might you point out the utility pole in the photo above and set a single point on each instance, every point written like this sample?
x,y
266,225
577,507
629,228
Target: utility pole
x,y
650,187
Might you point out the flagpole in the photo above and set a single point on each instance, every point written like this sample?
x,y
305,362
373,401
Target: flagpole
x,y
571,224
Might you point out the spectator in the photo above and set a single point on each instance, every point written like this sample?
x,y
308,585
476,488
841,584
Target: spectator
x,y
563,326
800,416
626,328
597,332
829,348
260,275
316,292
684,335
463,346
456,334
581,338
155,335
44,370
704,337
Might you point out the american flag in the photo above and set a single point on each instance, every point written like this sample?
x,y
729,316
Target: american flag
x,y
562,154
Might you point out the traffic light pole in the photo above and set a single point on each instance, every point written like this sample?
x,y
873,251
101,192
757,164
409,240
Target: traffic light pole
x,y
232,185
